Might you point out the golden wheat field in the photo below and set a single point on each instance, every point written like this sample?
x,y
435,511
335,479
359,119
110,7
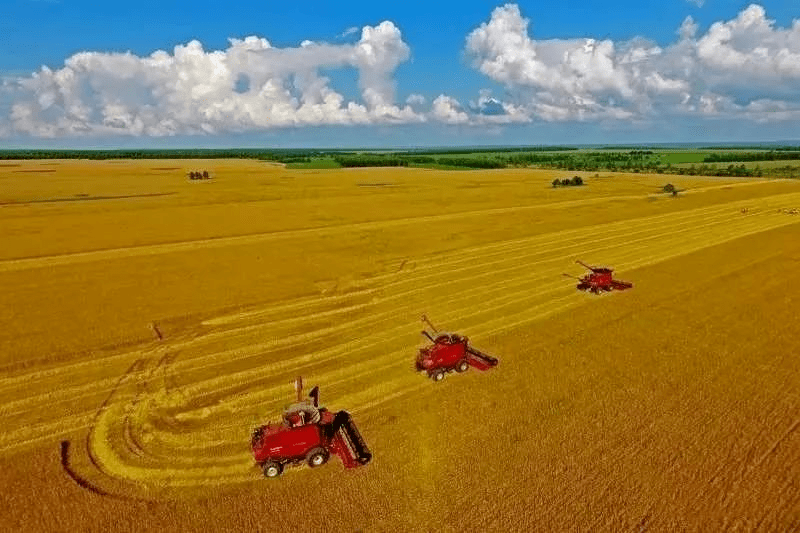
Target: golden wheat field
x,y
671,406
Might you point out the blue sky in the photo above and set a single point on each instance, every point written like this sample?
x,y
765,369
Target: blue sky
x,y
434,73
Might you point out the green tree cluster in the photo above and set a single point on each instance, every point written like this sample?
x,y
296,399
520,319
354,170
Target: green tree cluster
x,y
567,182
198,175
773,155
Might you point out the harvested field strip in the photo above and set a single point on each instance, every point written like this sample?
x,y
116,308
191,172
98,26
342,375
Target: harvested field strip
x,y
141,435
528,247
577,236
59,377
259,349
542,292
83,257
538,244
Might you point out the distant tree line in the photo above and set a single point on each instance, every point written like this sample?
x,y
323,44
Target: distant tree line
x,y
393,160
753,147
712,170
624,147
476,162
243,153
495,149
774,155
362,160
632,161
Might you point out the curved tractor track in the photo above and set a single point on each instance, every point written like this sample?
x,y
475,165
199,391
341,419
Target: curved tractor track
x,y
177,414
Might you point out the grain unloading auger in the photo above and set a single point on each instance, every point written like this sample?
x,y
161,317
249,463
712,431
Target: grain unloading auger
x,y
599,279
449,352
308,433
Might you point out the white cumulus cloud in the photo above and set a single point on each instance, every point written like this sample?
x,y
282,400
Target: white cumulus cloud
x,y
447,109
349,31
749,47
249,85
415,99
591,79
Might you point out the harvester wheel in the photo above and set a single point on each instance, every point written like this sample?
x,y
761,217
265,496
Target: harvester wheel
x,y
438,375
317,457
272,469
462,366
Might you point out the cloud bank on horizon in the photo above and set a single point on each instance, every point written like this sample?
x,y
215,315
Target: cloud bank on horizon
x,y
744,68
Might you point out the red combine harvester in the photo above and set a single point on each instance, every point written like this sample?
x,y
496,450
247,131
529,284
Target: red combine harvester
x,y
599,280
309,433
449,352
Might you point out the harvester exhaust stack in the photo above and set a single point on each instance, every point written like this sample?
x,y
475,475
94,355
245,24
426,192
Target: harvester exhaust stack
x,y
298,388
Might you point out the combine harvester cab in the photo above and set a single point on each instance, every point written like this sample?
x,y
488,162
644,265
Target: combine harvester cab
x,y
450,352
311,434
599,279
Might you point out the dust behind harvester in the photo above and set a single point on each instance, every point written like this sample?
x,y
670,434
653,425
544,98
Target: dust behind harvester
x,y
308,433
599,279
449,352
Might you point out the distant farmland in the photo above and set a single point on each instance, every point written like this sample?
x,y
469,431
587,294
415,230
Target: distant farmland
x,y
709,161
